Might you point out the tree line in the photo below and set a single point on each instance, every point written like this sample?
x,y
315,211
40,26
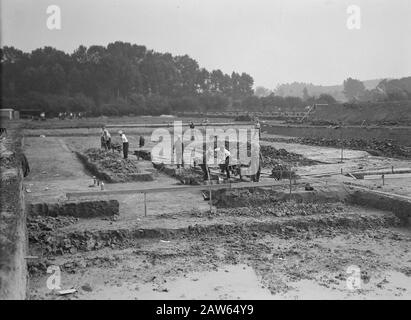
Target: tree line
x,y
386,90
120,78
128,79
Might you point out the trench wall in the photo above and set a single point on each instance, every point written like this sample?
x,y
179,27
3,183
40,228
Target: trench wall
x,y
259,196
79,209
400,207
13,232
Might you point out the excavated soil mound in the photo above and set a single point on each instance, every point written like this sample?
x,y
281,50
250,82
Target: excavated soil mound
x,y
387,148
388,113
111,167
272,157
184,175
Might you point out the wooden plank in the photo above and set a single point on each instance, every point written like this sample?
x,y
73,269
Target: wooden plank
x,y
352,176
71,195
379,172
382,193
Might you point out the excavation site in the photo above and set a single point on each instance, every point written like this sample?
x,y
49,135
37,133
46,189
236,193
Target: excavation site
x,y
205,158
141,228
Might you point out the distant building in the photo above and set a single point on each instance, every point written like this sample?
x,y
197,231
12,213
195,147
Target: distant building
x,y
9,114
31,114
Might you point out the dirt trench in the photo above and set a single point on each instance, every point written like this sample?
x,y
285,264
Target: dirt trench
x,y
270,238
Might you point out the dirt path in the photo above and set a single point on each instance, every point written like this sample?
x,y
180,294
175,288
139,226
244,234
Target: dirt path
x,y
51,158
56,170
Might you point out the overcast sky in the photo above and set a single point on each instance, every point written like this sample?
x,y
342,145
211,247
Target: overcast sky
x,y
275,41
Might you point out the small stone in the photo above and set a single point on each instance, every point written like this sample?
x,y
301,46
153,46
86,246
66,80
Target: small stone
x,y
87,287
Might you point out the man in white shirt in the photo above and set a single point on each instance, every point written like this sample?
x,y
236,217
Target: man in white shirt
x,y
125,144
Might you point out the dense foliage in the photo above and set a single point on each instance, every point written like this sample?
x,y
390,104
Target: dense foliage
x,y
121,78
129,79
386,90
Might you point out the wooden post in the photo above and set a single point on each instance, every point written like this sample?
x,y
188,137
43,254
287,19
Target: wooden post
x,y
145,204
382,176
342,145
290,182
182,153
210,196
392,169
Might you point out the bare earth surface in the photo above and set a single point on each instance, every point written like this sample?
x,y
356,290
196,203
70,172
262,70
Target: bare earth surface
x,y
244,253
238,267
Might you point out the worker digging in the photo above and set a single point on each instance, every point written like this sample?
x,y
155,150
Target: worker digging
x,y
124,140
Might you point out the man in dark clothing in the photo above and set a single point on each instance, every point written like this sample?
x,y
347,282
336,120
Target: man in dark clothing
x,y
178,150
141,142
25,165
224,160
207,155
192,130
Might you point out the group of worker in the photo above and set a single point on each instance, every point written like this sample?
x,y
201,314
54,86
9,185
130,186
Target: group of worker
x,y
223,160
107,145
70,115
223,155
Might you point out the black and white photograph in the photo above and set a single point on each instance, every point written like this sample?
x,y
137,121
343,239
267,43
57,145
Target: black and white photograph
x,y
218,151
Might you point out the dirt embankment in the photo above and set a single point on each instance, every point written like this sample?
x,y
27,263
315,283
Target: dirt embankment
x,y
257,197
244,213
13,236
387,113
81,209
